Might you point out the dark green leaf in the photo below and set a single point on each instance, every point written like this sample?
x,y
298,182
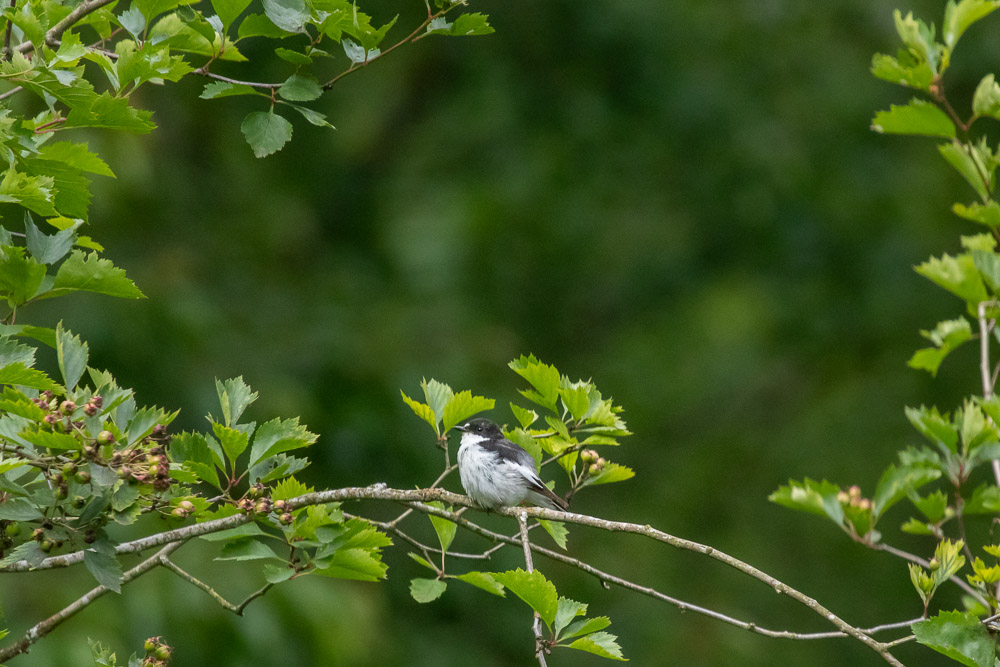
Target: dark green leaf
x,y
233,442
266,132
293,57
105,568
960,636
218,89
246,549
532,587
73,354
19,509
19,374
896,483
234,397
20,276
44,248
300,88
229,10
288,15
586,626
258,25
444,528
90,273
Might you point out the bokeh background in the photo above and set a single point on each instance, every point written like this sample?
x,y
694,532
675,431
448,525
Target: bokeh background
x,y
680,200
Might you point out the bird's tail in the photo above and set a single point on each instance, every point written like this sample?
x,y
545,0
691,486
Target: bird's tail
x,y
544,497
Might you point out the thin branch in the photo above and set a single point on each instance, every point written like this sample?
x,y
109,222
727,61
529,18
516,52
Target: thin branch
x,y
984,365
56,31
235,608
536,623
43,628
218,77
7,32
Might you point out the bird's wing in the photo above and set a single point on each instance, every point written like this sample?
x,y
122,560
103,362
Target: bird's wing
x,y
524,463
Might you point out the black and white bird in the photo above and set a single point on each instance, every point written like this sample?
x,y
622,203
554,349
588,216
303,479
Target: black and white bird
x,y
496,472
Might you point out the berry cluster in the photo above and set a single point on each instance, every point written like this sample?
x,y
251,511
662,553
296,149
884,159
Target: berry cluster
x,y
158,652
593,464
853,498
145,462
59,415
255,501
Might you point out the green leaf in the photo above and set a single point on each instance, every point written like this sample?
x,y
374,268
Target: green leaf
x,y
289,488
958,17
437,394
73,354
277,436
975,162
76,155
986,101
611,472
960,636
914,526
586,626
32,192
288,15
192,451
233,442
112,113
19,374
229,10
246,549
932,506
105,568
904,70
258,25
918,38
217,89
525,417
985,500
427,590
566,612
576,398
818,498
935,427
600,643
532,587
19,509
52,440
985,214
946,336
461,406
917,117
896,483
421,560
557,530
474,23
544,379
483,580
234,397
958,275
20,276
300,88
444,528
44,248
421,410
358,564
90,273
293,57
311,115
266,132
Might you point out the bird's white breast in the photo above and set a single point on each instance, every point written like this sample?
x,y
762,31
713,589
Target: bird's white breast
x,y
487,481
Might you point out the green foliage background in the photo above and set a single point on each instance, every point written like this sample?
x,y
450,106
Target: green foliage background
x,y
681,200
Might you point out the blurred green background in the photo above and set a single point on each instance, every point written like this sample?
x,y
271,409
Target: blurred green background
x,y
680,200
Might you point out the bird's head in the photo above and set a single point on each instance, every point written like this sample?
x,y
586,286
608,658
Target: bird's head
x,y
482,427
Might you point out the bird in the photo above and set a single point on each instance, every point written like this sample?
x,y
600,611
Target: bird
x,y
495,472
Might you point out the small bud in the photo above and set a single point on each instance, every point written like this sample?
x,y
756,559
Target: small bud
x,y
854,491
163,652
90,410
105,438
594,469
178,513
98,401
159,430
50,419
843,498
150,645
12,529
46,545
82,477
79,502
279,505
67,407
186,505
62,492
37,534
934,564
263,507
287,518
587,456
865,504
124,472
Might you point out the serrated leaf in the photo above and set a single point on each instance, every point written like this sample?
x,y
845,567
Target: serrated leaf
x,y
45,248
958,275
300,88
444,528
229,10
105,568
76,155
277,436
960,636
19,374
73,354
217,89
483,580
358,564
600,643
421,410
525,417
532,587
918,117
289,488
896,483
19,509
463,405
917,527
985,214
288,15
544,379
234,397
20,276
611,472
468,25
427,590
975,162
258,25
293,57
947,336
90,273
986,100
566,612
959,16
932,506
233,442
904,70
811,496
437,394
586,626
266,132
557,530
422,561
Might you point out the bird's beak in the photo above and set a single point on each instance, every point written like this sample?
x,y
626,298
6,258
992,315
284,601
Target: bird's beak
x,y
459,427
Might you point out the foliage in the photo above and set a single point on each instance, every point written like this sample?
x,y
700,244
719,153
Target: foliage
x,y
962,447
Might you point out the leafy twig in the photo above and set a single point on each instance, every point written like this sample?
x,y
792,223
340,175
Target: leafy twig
x,y
536,625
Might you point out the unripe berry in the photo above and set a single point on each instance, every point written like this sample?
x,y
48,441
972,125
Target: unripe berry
x,y
263,507
594,469
67,407
150,645
79,502
97,401
38,534
162,652
186,505
586,456
287,518
46,545
68,469
61,493
82,477
105,438
178,513
90,410
12,529
279,505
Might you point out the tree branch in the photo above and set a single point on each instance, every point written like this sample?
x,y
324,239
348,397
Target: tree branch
x,y
536,624
43,628
191,579
56,31
984,365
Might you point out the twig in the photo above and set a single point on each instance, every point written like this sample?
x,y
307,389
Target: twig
x,y
218,77
235,608
536,624
43,628
984,365
56,31
6,36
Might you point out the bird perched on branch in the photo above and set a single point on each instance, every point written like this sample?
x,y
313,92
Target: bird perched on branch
x,y
496,472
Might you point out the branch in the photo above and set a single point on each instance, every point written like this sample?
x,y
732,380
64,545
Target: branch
x,y
417,498
183,574
56,31
984,365
536,624
43,628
